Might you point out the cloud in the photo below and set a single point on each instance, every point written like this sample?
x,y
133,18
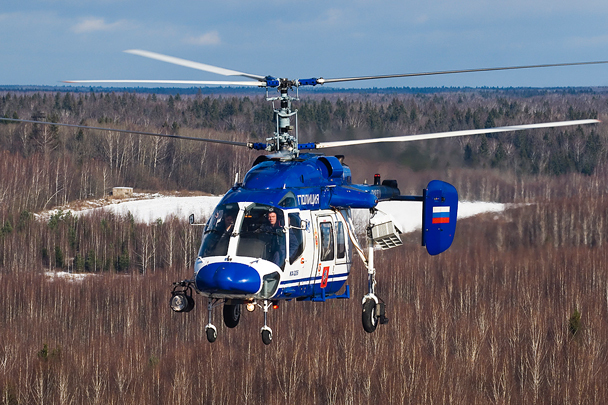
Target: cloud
x,y
209,38
93,24
421,19
333,16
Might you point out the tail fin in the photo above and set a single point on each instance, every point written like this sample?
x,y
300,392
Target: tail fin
x,y
439,211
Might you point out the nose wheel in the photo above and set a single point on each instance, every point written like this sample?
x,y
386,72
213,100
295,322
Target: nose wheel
x,y
266,331
266,335
211,332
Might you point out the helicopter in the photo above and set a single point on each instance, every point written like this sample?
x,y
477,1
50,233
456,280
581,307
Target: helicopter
x,y
285,232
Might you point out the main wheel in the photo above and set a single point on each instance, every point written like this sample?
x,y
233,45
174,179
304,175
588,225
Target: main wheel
x,y
370,321
211,334
190,303
232,314
266,336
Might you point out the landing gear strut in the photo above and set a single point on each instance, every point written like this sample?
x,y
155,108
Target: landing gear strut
x,y
266,331
210,329
373,307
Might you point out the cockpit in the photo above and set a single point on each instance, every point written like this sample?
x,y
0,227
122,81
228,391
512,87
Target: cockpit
x,y
253,230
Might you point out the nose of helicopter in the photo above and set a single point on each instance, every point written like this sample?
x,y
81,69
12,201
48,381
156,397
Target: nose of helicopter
x,y
228,277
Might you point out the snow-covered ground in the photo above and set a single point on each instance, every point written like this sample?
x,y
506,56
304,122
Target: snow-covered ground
x,y
158,206
408,215
150,207
64,275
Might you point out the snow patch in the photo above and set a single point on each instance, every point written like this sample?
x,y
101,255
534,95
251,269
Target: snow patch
x,y
408,214
145,208
64,275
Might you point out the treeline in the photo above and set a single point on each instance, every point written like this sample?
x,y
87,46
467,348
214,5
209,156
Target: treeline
x,y
96,243
58,164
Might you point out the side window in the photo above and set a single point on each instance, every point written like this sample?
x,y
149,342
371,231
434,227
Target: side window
x,y
327,241
296,237
341,245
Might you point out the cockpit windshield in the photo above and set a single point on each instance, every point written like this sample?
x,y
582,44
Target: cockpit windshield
x,y
262,234
218,230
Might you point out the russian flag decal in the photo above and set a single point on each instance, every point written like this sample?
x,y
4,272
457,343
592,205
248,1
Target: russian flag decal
x,y
441,215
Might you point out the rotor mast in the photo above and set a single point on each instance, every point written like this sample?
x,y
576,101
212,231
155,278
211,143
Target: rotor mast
x,y
285,139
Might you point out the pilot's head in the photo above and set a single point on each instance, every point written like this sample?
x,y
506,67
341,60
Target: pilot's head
x,y
272,218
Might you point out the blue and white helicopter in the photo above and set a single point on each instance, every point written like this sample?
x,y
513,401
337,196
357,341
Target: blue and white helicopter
x,y
285,232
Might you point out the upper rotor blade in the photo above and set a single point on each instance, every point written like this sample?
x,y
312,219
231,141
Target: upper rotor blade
x,y
194,65
408,138
449,72
203,82
126,131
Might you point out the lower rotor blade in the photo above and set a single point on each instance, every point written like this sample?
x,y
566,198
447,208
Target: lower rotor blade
x,y
438,135
126,131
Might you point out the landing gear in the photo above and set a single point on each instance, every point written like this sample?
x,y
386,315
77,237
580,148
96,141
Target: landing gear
x,y
373,307
232,315
210,329
182,301
266,331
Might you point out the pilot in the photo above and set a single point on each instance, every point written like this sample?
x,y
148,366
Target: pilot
x,y
277,241
229,224
226,232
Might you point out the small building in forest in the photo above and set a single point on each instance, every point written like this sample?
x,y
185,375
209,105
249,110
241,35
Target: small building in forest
x,y
122,192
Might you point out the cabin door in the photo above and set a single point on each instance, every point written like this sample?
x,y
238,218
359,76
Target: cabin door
x,y
326,253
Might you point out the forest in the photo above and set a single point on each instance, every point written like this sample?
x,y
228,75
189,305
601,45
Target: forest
x,y
515,311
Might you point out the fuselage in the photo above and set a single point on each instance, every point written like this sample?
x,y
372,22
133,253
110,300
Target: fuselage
x,y
282,233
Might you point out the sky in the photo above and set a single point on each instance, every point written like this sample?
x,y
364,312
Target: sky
x,y
45,41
